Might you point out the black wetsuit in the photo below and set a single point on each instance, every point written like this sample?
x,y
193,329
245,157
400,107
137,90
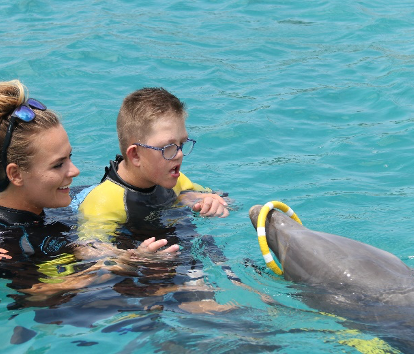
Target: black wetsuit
x,y
39,247
24,234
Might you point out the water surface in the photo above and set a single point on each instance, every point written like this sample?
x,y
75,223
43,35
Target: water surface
x,y
305,102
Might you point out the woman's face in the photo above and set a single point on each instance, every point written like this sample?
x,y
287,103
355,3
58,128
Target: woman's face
x,y
46,183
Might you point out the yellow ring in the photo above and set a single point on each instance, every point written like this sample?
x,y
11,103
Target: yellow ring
x,y
261,231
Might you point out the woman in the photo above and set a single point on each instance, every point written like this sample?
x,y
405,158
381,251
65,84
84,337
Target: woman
x,y
36,172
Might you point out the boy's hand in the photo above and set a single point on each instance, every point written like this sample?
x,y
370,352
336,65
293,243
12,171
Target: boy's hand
x,y
102,250
146,249
209,204
152,246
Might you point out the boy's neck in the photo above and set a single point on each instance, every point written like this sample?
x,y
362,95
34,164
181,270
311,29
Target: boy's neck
x,y
129,175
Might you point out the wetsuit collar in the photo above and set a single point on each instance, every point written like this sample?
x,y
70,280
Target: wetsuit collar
x,y
112,173
9,216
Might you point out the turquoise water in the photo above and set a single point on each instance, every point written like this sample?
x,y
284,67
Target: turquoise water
x,y
307,102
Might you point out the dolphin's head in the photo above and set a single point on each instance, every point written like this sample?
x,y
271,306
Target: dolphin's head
x,y
254,213
270,227
278,229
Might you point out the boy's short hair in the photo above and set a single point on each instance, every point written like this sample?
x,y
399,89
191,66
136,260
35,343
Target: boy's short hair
x,y
140,110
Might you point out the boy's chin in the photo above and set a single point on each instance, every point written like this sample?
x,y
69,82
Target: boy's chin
x,y
170,184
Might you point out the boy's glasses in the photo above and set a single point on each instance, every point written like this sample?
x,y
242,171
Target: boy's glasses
x,y
171,150
25,113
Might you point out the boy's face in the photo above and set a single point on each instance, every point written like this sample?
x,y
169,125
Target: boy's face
x,y
153,168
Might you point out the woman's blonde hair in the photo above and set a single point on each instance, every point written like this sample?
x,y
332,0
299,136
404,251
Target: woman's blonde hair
x,y
21,149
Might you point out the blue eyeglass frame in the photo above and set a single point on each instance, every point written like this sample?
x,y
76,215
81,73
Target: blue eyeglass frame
x,y
166,146
26,114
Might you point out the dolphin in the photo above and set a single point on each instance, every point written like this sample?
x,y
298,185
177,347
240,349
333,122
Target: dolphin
x,y
345,277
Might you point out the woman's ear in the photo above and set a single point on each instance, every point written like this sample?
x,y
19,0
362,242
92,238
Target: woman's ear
x,y
133,155
14,173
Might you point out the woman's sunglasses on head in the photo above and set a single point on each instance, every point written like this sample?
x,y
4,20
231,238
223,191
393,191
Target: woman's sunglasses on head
x,y
26,114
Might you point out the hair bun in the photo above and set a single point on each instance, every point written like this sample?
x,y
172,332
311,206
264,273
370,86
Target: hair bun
x,y
12,94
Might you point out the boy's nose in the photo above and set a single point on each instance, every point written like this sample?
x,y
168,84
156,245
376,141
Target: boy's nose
x,y
179,154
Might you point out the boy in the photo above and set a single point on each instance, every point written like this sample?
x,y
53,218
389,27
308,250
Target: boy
x,y
153,140
141,192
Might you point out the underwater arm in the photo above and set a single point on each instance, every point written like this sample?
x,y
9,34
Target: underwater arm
x,y
93,250
109,261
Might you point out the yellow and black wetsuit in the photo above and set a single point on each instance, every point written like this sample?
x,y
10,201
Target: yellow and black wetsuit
x,y
114,202
117,212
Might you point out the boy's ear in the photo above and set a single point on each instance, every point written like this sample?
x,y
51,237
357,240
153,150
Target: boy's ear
x,y
14,173
133,155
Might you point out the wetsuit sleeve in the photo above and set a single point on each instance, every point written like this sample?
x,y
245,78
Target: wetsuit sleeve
x,y
184,184
102,211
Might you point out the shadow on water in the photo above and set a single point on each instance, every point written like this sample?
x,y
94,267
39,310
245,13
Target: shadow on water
x,y
393,324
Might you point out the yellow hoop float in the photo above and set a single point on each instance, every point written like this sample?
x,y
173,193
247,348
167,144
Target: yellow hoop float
x,y
261,231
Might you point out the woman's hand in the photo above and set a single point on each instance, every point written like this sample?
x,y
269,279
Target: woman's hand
x,y
3,254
